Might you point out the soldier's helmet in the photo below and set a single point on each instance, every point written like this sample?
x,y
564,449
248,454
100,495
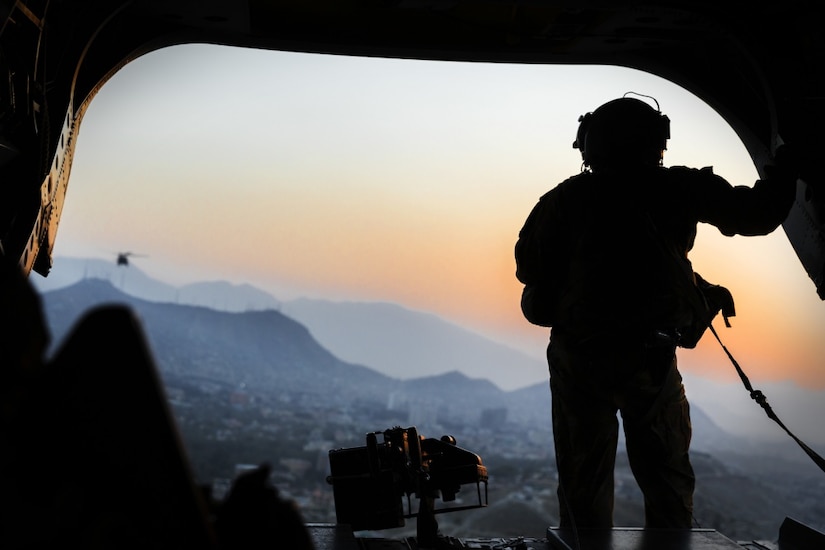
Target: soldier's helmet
x,y
624,132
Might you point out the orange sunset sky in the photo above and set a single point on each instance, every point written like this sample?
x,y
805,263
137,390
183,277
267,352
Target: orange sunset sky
x,y
390,180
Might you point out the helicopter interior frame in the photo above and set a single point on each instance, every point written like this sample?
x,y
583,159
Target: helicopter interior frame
x,y
760,67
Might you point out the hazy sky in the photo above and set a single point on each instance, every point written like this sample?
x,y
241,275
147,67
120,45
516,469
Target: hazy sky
x,y
395,180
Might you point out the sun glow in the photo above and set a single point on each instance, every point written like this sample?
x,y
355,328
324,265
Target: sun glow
x,y
398,181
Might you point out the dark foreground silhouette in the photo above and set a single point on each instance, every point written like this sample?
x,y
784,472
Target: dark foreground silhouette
x,y
91,451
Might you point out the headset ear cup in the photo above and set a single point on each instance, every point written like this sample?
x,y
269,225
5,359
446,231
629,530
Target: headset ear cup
x,y
664,130
581,135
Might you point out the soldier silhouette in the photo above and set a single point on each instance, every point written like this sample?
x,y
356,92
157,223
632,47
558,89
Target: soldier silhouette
x,y
592,256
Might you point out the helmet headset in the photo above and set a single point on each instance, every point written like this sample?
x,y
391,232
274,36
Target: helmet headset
x,y
624,132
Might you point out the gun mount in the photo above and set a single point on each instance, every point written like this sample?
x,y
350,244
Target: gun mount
x,y
369,483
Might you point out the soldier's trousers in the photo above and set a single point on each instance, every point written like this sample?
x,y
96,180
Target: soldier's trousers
x,y
591,382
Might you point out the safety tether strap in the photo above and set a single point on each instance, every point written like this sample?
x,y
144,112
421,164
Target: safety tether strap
x,y
760,398
696,299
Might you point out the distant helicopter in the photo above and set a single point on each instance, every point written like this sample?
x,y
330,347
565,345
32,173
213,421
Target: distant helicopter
x,y
123,258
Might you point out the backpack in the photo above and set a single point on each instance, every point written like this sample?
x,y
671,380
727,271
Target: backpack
x,y
542,292
540,303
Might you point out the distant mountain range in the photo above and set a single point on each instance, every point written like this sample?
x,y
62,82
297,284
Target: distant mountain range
x,y
130,279
407,344
269,352
389,338
402,345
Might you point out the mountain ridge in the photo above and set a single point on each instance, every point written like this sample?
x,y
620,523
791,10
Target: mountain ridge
x,y
727,402
267,351
380,335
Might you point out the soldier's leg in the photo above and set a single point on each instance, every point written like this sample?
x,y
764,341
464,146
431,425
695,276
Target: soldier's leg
x,y
657,448
585,430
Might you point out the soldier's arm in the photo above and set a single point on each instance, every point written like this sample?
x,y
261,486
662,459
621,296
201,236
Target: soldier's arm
x,y
742,210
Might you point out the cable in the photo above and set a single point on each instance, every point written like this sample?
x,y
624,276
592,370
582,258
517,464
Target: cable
x,y
650,97
762,400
